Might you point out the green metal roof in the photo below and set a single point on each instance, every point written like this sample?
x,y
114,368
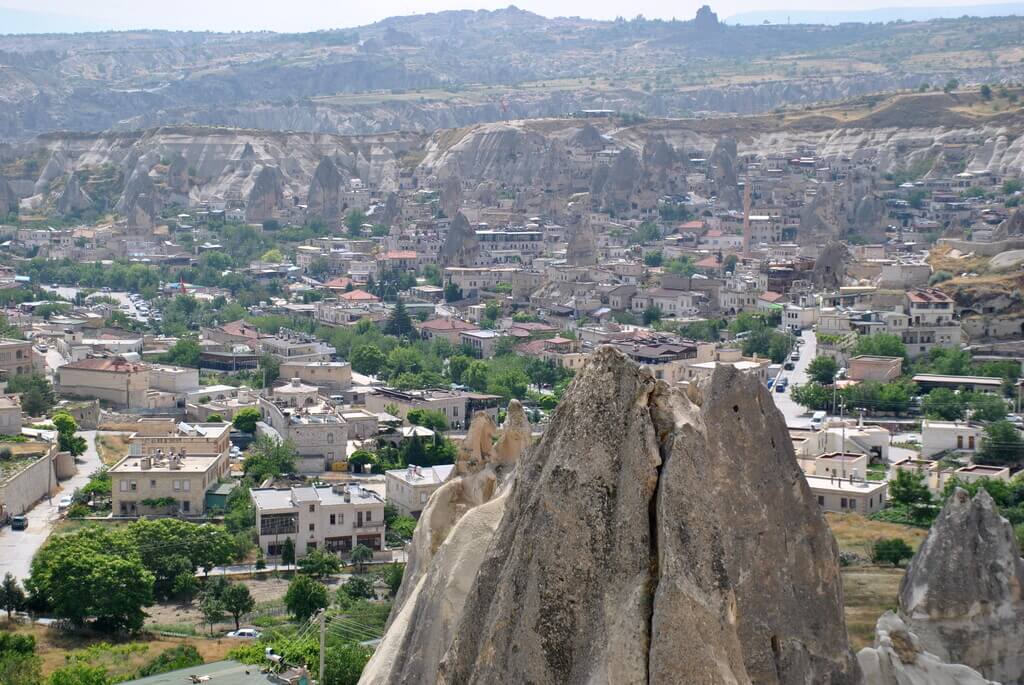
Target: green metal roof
x,y
219,672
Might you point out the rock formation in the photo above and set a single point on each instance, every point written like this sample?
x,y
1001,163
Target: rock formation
x,y
266,196
830,266
581,249
451,196
446,550
963,593
8,200
324,199
723,171
651,536
899,659
73,199
612,188
460,247
177,175
139,202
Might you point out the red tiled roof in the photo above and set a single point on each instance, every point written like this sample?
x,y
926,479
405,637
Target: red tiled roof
x,y
241,329
769,296
358,296
339,283
709,262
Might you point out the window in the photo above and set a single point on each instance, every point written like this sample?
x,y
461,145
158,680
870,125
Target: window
x,y
185,506
842,502
312,508
821,500
133,486
332,519
124,486
423,498
312,527
176,485
853,504
152,484
369,516
186,485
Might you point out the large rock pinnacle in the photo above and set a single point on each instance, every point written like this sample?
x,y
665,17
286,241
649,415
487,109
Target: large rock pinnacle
x,y
651,536
962,593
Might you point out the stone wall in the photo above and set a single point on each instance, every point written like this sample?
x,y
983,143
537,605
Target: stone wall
x,y
20,492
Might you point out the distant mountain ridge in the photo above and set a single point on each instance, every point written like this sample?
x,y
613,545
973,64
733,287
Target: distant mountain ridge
x,y
880,14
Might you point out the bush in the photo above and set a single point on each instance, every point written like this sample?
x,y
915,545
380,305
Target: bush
x,y
891,551
172,659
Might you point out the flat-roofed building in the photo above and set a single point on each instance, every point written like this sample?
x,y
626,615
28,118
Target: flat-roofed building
x,y
871,368
334,377
841,465
975,472
949,436
930,381
15,357
165,483
409,489
846,496
188,438
457,406
333,518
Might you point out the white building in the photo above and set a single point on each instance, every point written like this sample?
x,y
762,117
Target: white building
x,y
945,436
332,518
409,489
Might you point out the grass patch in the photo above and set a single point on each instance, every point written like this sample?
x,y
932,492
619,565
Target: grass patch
x,y
877,472
175,628
868,592
857,534
112,448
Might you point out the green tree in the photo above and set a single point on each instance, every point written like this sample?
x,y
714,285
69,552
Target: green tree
x,y
392,575
651,315
951,85
399,324
354,221
509,383
403,527
319,563
185,352
452,292
367,359
476,376
246,419
288,551
305,597
273,256
909,489
67,441
12,597
215,418
823,370
987,407
433,419
185,586
361,554
812,396
357,587
237,601
891,551
37,397
212,609
457,366
269,458
986,91
344,663
653,258
880,345
269,369
1002,445
943,404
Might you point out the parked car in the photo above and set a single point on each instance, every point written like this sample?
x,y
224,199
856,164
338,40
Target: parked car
x,y
795,356
781,385
789,366
771,382
43,347
19,522
246,634
64,502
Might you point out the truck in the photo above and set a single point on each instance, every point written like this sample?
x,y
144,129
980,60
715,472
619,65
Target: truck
x,y
817,419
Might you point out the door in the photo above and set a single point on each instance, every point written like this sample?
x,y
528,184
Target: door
x,y
359,519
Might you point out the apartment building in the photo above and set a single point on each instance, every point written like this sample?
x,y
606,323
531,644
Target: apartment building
x,y
457,406
333,377
15,357
165,483
318,432
409,489
332,518
182,438
931,322
848,496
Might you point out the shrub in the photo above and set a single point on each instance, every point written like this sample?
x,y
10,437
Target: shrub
x,y
891,551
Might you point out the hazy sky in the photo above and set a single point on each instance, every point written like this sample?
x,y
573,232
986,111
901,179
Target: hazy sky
x,y
307,15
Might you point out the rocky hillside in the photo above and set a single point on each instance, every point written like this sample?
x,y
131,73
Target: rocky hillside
x,y
434,71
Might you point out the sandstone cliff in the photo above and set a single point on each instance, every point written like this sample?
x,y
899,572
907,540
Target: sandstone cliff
x,y
962,593
649,537
8,200
460,247
325,191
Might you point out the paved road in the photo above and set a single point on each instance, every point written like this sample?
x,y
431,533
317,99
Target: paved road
x,y
797,416
17,547
121,297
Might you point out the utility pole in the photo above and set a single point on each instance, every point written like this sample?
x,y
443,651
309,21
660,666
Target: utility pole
x,y
323,635
842,445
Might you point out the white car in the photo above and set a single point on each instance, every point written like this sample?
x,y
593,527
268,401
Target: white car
x,y
64,502
246,633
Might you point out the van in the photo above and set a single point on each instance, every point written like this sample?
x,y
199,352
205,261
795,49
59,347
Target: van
x,y
817,419
19,522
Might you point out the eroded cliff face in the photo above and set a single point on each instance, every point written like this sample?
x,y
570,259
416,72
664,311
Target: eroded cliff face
x,y
650,537
963,593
